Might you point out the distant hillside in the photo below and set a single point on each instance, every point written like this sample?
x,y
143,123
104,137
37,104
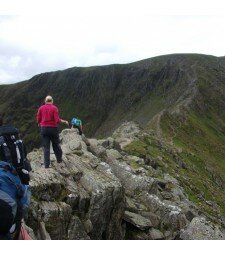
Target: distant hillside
x,y
104,96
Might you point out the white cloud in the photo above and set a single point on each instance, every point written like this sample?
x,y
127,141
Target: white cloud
x,y
14,61
102,33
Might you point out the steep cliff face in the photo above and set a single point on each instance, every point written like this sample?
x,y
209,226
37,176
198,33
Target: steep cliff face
x,y
102,192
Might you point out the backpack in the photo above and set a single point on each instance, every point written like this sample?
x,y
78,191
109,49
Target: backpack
x,y
75,122
14,193
12,150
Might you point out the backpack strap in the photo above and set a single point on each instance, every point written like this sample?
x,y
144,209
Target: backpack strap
x,y
11,146
18,155
5,149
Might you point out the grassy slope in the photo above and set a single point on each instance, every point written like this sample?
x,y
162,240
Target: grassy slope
x,y
193,144
203,148
199,169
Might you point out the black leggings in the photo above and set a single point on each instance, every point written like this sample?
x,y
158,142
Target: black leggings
x,y
51,134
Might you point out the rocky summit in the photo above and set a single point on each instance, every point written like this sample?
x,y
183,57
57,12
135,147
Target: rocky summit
x,y
100,191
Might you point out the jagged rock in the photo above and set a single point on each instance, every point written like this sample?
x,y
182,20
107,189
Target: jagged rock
x,y
88,226
42,232
169,213
76,230
93,142
155,234
201,229
168,178
98,151
96,193
136,235
126,133
135,159
155,219
137,220
127,130
107,202
131,182
122,142
74,145
134,206
50,219
139,208
108,143
168,235
113,154
167,195
46,179
86,186
190,215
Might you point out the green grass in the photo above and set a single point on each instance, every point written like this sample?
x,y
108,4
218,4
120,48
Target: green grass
x,y
202,147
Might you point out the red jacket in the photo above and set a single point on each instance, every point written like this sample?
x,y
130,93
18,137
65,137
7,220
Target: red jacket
x,y
48,116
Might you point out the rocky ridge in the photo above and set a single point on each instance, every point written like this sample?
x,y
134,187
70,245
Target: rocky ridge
x,y
101,192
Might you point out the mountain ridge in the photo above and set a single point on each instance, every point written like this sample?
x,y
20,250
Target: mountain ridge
x,y
102,94
178,101
119,88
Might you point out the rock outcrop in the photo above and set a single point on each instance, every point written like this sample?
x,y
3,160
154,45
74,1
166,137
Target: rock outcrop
x,y
96,193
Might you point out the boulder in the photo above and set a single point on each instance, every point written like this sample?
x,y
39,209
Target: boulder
x,y
113,154
137,220
155,234
201,229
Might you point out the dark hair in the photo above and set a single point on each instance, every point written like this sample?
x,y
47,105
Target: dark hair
x,y
1,120
6,217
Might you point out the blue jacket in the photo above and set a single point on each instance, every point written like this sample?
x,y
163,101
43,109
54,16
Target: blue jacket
x,y
11,189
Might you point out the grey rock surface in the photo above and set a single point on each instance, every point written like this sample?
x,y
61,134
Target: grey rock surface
x,y
201,229
96,193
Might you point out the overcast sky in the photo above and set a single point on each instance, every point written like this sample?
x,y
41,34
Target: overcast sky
x,y
44,38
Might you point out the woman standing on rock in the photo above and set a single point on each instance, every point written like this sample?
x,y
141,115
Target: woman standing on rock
x,y
48,119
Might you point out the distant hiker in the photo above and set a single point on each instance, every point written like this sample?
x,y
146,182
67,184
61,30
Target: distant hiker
x,y
13,151
14,202
77,123
48,119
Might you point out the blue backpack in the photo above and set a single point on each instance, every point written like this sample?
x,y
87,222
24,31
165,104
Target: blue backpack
x,y
14,193
75,122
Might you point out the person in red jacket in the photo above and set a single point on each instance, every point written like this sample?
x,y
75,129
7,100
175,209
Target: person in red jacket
x,y
48,120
